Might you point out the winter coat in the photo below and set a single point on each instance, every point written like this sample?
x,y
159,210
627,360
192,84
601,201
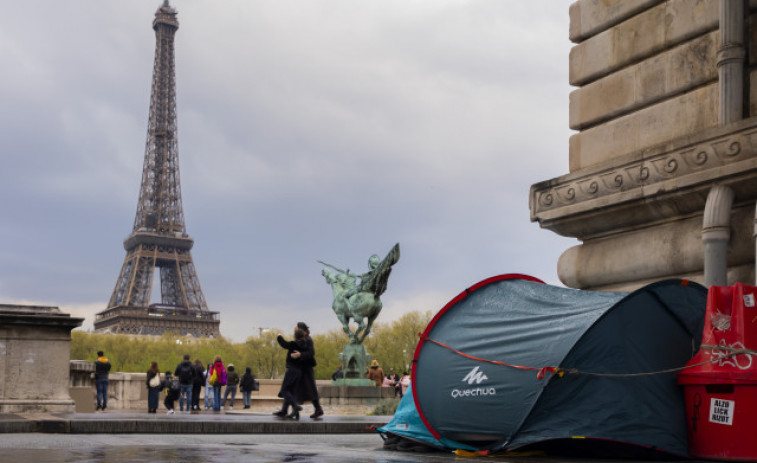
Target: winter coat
x,y
232,378
291,346
247,383
309,390
199,376
220,372
376,374
189,377
293,377
102,367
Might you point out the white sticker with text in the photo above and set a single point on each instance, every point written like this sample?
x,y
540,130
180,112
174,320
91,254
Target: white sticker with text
x,y
721,411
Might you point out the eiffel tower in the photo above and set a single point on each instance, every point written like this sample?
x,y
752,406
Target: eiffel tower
x,y
159,238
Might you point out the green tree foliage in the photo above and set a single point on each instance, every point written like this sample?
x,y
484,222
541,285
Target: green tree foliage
x,y
134,353
328,346
264,355
392,344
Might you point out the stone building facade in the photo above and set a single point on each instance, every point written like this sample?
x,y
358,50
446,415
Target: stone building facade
x,y
662,175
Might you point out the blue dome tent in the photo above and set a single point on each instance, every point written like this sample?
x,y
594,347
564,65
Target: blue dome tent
x,y
512,364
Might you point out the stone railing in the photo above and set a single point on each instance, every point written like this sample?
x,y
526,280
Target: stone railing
x,y
127,391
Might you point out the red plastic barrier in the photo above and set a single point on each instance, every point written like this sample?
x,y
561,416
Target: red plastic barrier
x,y
720,388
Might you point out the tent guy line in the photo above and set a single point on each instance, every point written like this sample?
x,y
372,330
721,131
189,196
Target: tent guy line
x,y
730,352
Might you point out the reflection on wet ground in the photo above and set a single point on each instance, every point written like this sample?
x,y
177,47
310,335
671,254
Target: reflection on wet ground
x,y
227,448
44,448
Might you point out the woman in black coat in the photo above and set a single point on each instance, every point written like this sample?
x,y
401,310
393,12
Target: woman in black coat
x,y
308,388
290,386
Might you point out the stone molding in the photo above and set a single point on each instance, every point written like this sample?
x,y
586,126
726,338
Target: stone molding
x,y
722,154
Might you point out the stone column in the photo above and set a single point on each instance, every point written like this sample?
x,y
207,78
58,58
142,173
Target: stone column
x,y
730,61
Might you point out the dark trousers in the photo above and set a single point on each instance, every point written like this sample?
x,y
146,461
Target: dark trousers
x,y
196,396
289,400
102,392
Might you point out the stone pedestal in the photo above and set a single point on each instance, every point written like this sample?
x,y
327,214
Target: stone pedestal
x,y
354,360
35,349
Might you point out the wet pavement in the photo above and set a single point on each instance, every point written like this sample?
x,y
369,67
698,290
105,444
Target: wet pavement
x,y
135,436
136,448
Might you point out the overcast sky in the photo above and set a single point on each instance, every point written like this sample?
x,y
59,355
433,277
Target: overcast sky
x,y
311,129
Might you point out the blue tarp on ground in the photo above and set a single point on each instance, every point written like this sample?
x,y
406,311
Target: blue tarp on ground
x,y
407,423
464,400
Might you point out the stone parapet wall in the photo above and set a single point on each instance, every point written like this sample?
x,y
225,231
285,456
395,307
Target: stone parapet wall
x,y
127,391
354,395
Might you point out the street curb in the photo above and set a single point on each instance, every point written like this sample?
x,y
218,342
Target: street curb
x,y
183,426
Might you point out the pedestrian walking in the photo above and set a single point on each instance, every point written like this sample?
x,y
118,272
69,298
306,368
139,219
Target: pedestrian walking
x,y
247,384
154,385
291,384
309,390
102,370
185,372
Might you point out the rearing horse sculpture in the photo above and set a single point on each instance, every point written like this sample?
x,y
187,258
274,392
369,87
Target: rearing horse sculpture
x,y
360,302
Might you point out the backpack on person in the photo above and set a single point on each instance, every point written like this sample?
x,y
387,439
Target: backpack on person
x,y
174,385
186,375
224,378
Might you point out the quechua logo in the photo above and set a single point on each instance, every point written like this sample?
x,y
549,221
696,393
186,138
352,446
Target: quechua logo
x,y
475,376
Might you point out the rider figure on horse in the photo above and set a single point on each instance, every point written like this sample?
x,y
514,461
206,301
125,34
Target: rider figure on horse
x,y
360,301
365,279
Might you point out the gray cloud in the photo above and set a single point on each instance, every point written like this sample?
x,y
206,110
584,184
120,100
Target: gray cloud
x,y
307,130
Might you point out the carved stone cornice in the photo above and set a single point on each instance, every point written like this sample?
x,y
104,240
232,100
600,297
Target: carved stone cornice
x,y
648,186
